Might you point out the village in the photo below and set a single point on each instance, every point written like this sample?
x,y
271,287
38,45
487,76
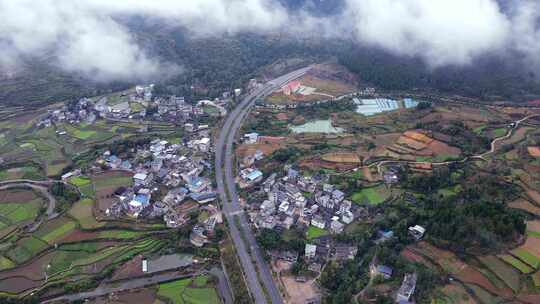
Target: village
x,y
317,208
139,104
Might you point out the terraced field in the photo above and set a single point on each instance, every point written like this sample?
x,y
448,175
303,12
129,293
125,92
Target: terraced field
x,y
68,250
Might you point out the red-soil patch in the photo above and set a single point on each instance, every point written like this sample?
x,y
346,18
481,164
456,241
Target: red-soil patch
x,y
534,151
282,116
532,245
534,195
523,204
415,257
456,290
533,225
532,298
130,269
78,235
315,164
271,139
16,196
441,148
473,276
17,285
267,149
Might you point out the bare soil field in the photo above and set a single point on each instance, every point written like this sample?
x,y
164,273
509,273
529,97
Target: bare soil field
x,y
525,205
534,151
456,294
245,149
298,292
415,257
317,163
129,270
16,196
530,299
142,296
17,284
342,157
532,245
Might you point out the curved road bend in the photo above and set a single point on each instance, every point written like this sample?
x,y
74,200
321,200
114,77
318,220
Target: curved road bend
x,y
232,208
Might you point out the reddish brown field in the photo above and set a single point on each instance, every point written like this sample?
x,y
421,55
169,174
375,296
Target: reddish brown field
x,y
130,269
15,196
78,235
282,116
532,245
342,157
530,299
315,164
17,285
441,148
245,150
416,135
453,265
415,257
525,205
456,291
534,151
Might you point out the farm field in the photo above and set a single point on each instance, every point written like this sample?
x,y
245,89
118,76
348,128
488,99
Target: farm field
x,y
503,271
68,248
188,291
371,196
315,232
19,206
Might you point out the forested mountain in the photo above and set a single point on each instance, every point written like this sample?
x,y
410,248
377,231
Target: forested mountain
x,y
211,65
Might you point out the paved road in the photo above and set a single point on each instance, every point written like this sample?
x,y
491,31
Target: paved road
x,y
223,287
247,251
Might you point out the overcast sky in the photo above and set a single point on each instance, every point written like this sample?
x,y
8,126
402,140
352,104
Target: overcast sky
x,y
85,37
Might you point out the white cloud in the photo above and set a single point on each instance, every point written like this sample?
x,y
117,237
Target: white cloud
x,y
85,37
440,31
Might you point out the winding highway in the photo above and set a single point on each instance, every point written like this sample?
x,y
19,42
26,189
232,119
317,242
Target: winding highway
x,y
255,268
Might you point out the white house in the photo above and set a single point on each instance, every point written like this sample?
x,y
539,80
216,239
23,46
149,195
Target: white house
x,y
251,138
318,221
417,231
310,250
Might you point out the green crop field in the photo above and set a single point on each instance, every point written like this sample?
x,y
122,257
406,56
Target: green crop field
x,y
500,132
5,263
26,172
172,291
372,196
180,292
82,212
20,212
524,268
26,249
116,181
59,232
315,232
80,181
527,257
200,281
536,279
502,270
120,234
